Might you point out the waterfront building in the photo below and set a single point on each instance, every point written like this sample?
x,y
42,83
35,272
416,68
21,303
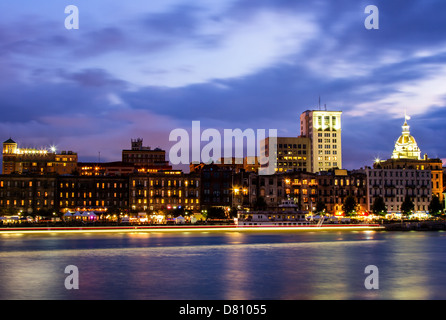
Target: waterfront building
x,y
393,185
164,191
91,192
324,130
407,155
335,185
302,188
297,186
217,186
27,194
36,160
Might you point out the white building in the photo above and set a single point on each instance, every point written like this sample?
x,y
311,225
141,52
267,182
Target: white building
x,y
323,128
394,184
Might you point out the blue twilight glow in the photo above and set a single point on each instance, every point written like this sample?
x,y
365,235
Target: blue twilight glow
x,y
143,68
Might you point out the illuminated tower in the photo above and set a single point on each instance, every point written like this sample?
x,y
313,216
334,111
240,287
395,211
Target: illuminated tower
x,y
324,130
9,155
406,147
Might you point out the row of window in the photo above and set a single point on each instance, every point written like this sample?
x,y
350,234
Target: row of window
x,y
162,183
327,135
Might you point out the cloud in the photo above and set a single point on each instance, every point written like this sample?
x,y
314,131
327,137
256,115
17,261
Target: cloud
x,y
159,65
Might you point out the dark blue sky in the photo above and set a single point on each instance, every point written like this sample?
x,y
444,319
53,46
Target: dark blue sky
x,y
143,68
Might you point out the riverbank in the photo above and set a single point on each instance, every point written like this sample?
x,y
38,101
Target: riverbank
x,y
416,226
188,228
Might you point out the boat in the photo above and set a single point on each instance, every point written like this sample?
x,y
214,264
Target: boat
x,y
287,214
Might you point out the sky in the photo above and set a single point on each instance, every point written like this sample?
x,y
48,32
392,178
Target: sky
x,y
140,69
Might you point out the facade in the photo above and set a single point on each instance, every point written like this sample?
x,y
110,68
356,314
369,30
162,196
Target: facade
x,y
27,193
335,185
293,153
36,161
324,130
145,158
406,155
164,191
251,164
75,193
117,168
217,186
394,184
297,186
434,166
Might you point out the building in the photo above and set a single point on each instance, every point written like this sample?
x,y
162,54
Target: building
x,y
28,194
393,185
297,186
406,147
335,185
164,191
36,161
293,153
145,158
323,129
407,155
99,193
302,187
116,168
251,164
218,186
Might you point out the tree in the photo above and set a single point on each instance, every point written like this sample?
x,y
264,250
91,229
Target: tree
x,y
407,206
349,205
435,207
260,204
216,213
320,206
178,212
379,207
233,212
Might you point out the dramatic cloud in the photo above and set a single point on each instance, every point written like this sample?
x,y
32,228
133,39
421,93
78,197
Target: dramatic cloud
x,y
143,68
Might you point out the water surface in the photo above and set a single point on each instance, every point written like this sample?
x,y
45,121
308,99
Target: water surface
x,y
224,265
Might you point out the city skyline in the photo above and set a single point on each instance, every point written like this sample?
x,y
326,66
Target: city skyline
x,y
156,67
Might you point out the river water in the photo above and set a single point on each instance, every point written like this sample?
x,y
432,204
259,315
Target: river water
x,y
224,265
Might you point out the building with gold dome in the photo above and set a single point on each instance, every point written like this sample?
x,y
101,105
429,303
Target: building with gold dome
x,y
406,146
407,156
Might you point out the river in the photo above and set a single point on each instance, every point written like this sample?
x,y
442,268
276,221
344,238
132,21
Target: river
x,y
224,265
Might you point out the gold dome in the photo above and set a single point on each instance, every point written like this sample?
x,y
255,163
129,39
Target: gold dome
x,y
406,146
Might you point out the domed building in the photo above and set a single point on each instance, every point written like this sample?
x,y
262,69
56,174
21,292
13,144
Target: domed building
x,y
407,156
406,146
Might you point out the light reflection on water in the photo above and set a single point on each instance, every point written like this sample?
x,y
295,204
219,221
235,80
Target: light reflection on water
x,y
224,265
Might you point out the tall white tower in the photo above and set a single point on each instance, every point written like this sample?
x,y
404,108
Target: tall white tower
x,y
324,130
